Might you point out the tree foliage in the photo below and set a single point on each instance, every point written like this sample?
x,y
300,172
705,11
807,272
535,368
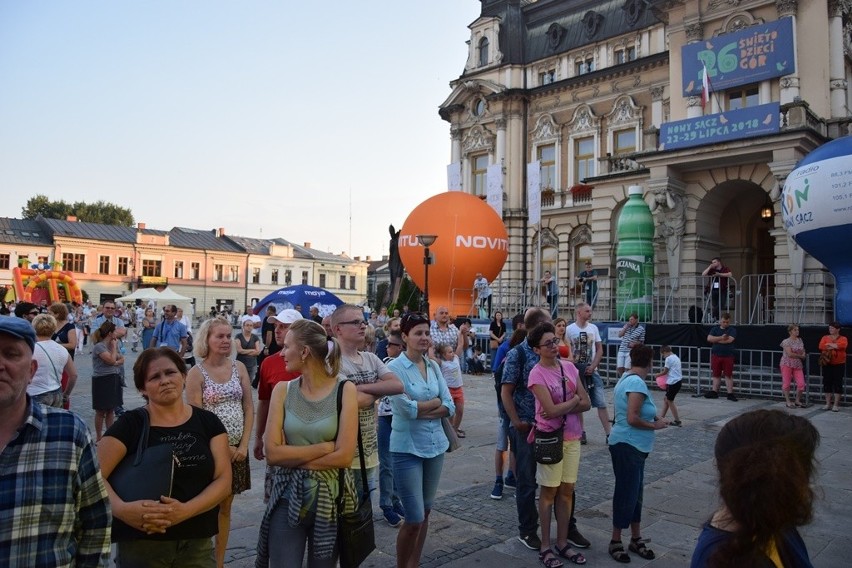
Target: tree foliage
x,y
97,212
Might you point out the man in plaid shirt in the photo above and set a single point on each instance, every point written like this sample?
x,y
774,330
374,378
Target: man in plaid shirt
x,y
54,508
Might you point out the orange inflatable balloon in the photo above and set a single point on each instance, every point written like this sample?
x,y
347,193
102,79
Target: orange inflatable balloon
x,y
471,239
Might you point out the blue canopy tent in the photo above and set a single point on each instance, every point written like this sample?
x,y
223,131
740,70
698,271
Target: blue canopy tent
x,y
303,296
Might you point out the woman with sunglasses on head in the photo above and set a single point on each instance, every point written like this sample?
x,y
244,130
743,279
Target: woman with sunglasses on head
x,y
559,400
417,442
310,443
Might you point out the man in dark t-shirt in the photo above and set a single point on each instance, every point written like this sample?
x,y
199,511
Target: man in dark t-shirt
x,y
722,352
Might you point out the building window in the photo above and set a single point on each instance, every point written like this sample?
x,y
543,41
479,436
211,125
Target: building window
x,y
547,77
74,262
584,158
483,51
123,268
343,282
288,277
583,65
178,269
480,171
351,282
547,157
304,277
5,259
233,273
478,107
747,96
624,141
625,54
103,264
255,275
218,272
322,280
152,267
195,271
275,276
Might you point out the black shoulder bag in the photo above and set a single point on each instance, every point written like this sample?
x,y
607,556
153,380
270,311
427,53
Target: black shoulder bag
x,y
548,445
356,537
146,475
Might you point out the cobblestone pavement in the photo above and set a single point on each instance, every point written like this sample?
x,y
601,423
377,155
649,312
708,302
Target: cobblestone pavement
x,y
467,528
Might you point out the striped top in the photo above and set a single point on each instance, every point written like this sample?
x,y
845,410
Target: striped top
x,y
635,334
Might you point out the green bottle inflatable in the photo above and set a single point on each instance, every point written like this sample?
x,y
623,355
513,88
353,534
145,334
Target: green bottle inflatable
x,y
634,264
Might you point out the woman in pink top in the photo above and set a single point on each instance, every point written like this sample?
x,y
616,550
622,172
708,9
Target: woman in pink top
x,y
791,366
559,400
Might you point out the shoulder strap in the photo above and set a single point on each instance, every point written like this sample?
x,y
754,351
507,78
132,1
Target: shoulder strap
x,y
55,372
340,474
143,436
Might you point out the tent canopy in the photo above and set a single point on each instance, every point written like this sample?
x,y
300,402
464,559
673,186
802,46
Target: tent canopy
x,y
141,294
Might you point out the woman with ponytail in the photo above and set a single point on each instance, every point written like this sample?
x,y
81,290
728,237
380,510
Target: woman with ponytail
x,y
766,463
309,442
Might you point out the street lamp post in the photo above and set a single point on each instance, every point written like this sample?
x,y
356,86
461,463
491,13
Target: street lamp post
x,y
426,241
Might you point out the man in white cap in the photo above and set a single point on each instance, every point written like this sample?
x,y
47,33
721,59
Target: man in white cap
x,y
273,370
54,508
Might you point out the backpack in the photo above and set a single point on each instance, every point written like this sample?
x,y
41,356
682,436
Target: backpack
x,y
498,376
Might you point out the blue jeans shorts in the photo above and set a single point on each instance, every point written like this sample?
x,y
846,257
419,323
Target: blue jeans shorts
x,y
416,480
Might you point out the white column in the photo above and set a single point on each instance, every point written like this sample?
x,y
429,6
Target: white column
x,y
500,153
837,75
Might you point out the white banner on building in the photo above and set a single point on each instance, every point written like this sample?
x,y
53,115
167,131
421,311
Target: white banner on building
x,y
534,191
454,181
494,188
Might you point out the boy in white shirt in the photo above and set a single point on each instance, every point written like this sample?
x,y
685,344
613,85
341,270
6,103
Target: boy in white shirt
x,y
672,372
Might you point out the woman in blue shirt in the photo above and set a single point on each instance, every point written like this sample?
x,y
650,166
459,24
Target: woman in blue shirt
x,y
417,441
630,442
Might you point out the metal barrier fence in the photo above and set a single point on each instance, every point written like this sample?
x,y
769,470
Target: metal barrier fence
x,y
755,299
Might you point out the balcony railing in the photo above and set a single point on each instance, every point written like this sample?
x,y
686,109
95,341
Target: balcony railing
x,y
754,299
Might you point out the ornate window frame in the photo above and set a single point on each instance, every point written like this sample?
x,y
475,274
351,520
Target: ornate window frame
x,y
547,132
624,115
583,124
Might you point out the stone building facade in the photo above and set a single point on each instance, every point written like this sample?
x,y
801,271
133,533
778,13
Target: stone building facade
x,y
608,95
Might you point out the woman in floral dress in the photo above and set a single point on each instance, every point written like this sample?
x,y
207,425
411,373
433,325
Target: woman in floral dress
x,y
222,385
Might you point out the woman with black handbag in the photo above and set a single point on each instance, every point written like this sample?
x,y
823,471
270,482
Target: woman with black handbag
x,y
165,529
560,398
302,439
417,441
630,442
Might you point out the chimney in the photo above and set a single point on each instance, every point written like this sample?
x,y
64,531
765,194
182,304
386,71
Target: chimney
x,y
221,232
358,258
140,226
369,258
71,218
307,244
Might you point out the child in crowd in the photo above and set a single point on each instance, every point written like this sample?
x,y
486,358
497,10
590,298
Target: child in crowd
x,y
672,372
476,361
451,370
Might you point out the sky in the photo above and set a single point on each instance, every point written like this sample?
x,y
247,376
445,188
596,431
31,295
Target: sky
x,y
310,121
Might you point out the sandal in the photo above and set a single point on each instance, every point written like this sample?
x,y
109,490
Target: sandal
x,y
616,550
548,559
637,545
791,405
460,433
675,423
564,552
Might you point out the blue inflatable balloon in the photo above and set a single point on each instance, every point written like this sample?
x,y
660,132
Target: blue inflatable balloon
x,y
816,205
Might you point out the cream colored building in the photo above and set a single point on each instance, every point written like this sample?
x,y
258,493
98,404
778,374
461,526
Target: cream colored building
x,y
595,93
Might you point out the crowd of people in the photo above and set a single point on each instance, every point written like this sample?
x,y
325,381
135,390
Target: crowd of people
x,y
383,394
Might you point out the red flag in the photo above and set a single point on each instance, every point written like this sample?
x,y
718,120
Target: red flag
x,y
705,87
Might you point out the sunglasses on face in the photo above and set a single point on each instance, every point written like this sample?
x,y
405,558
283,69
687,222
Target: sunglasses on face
x,y
394,344
358,322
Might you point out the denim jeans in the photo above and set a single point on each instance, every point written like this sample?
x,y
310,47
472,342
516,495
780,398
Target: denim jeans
x,y
525,467
287,544
628,465
359,483
388,492
417,479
